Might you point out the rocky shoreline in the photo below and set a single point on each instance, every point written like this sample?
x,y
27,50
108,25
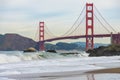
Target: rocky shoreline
x,y
111,50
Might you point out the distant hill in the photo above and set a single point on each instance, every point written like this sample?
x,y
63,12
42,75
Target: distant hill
x,y
96,45
71,46
10,42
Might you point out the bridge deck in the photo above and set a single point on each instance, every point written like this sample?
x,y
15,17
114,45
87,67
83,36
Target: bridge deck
x,y
80,36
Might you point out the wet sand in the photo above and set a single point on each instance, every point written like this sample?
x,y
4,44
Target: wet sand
x,y
64,75
110,70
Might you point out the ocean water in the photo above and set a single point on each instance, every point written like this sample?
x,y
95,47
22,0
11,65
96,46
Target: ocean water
x,y
16,65
19,56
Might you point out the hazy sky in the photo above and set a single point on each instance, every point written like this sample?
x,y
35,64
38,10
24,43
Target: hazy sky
x,y
23,16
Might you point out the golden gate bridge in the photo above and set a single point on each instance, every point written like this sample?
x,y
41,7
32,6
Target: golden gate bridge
x,y
89,35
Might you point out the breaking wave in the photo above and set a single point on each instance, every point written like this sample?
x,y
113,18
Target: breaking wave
x,y
18,56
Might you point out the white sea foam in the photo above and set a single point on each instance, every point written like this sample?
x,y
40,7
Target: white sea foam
x,y
4,58
17,56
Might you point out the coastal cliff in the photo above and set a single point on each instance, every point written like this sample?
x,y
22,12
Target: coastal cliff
x,y
9,42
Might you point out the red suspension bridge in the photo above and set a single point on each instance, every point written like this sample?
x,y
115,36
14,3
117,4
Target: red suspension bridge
x,y
89,32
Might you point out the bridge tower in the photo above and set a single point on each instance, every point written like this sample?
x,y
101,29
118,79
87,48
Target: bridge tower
x,y
115,39
89,26
41,36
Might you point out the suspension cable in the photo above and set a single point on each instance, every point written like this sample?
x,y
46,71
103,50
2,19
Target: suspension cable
x,y
74,22
104,19
101,23
36,34
49,32
77,26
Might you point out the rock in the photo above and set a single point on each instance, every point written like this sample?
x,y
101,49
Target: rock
x,y
111,50
52,51
31,49
70,53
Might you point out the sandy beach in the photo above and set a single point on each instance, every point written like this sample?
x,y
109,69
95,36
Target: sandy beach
x,y
71,75
110,70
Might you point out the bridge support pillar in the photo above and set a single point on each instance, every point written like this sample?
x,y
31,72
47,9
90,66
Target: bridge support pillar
x,y
115,39
41,36
89,26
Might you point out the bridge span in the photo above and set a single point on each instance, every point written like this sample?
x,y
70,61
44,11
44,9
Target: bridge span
x,y
89,32
81,36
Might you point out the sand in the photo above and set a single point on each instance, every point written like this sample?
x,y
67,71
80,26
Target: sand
x,y
110,70
62,76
